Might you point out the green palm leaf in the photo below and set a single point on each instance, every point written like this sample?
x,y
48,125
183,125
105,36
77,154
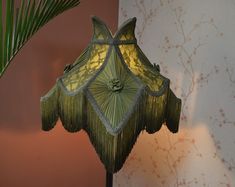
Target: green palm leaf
x,y
21,23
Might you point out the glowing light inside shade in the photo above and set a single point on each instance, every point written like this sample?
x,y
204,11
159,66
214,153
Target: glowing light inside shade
x,y
92,64
133,60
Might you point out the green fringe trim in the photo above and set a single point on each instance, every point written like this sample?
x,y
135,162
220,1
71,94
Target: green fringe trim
x,y
154,114
49,109
71,110
113,150
76,110
173,112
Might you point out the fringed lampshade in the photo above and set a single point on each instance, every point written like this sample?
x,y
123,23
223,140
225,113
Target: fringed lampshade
x,y
113,92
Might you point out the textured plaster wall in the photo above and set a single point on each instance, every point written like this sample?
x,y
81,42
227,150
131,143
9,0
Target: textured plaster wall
x,y
193,41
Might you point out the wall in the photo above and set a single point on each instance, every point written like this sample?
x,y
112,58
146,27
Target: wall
x,y
30,157
193,41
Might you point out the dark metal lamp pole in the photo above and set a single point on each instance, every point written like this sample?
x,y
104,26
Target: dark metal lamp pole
x,y
109,179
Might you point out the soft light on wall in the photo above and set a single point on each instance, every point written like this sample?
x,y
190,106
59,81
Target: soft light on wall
x,y
193,43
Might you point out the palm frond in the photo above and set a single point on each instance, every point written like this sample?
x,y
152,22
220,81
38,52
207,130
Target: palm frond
x,y
18,25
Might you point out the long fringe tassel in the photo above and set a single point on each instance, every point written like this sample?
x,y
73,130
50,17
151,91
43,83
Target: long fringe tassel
x,y
154,115
173,112
76,112
49,109
71,111
113,150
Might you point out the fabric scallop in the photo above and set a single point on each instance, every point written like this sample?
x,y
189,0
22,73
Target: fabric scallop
x,y
113,92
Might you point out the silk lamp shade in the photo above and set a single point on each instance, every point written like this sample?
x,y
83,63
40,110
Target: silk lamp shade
x,y
113,92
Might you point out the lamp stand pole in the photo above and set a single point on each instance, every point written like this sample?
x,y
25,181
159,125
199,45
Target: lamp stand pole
x,y
109,179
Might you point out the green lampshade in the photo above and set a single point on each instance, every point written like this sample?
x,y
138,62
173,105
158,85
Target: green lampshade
x,y
113,92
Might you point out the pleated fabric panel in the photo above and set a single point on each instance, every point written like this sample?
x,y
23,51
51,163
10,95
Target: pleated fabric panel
x,y
113,92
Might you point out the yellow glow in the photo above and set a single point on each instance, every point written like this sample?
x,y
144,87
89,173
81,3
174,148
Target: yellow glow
x,y
150,77
100,37
77,78
127,36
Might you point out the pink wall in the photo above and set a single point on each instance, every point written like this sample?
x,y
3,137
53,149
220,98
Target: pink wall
x,y
29,156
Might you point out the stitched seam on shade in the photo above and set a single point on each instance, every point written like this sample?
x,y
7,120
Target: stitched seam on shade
x,y
89,49
121,125
103,118
49,94
131,21
126,67
87,83
114,42
162,90
150,92
166,81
